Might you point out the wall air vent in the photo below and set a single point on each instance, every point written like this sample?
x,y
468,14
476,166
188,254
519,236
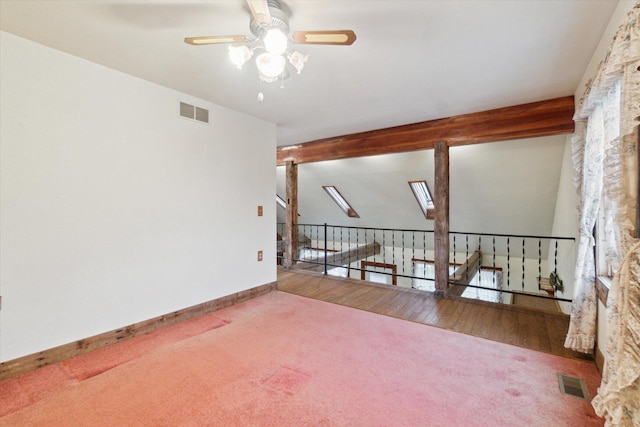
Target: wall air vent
x,y
192,112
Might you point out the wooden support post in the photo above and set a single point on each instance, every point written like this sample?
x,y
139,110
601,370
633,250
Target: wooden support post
x,y
441,226
291,225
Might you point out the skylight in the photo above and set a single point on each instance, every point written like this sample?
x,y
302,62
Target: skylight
x,y
340,201
423,196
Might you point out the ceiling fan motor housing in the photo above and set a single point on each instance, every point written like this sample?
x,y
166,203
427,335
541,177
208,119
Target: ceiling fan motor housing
x,y
279,20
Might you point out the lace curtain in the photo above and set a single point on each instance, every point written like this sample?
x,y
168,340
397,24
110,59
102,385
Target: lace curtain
x,y
614,163
602,129
582,328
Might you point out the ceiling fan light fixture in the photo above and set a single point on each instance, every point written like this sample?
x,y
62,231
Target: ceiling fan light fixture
x,y
239,55
270,40
270,66
275,41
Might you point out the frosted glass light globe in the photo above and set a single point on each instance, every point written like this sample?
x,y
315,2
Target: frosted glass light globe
x,y
298,60
275,41
239,55
270,65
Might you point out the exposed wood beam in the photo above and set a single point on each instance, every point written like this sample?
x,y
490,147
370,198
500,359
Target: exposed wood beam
x,y
341,258
441,223
543,118
291,226
464,273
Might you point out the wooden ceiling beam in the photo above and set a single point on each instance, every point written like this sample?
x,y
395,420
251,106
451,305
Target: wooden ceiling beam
x,y
552,117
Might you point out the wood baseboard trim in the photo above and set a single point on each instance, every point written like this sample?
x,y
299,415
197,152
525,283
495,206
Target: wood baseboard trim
x,y
21,365
599,360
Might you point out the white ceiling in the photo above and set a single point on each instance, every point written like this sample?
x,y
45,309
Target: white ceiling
x,y
412,61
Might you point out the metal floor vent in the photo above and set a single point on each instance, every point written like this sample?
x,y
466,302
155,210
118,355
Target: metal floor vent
x,y
192,112
573,386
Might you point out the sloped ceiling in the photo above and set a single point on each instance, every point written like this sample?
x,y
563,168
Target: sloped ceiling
x,y
413,61
503,187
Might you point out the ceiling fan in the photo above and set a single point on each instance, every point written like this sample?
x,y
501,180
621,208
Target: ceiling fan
x,y
270,37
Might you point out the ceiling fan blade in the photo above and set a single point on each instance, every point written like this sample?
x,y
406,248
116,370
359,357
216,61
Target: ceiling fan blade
x,y
337,37
260,11
215,40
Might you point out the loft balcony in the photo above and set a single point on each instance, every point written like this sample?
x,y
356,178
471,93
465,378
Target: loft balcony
x,y
517,270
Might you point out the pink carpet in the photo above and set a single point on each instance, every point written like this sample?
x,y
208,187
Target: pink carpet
x,y
284,360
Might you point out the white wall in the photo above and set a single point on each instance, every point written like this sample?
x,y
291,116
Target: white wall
x,y
114,209
565,224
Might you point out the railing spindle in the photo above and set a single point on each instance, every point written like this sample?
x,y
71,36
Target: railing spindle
x,y
413,250
480,260
539,259
466,271
454,249
349,248
494,262
325,248
393,247
508,265
403,252
522,265
374,239
424,245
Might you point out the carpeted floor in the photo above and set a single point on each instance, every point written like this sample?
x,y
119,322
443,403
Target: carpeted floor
x,y
284,360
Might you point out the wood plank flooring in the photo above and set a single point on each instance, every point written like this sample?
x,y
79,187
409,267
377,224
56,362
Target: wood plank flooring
x,y
536,303
537,330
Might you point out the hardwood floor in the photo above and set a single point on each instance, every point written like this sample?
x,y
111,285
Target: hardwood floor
x,y
520,326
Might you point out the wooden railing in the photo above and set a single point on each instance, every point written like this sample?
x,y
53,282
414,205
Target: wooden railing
x,y
499,263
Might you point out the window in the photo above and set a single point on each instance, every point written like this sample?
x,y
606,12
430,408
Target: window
x,y
423,196
340,201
